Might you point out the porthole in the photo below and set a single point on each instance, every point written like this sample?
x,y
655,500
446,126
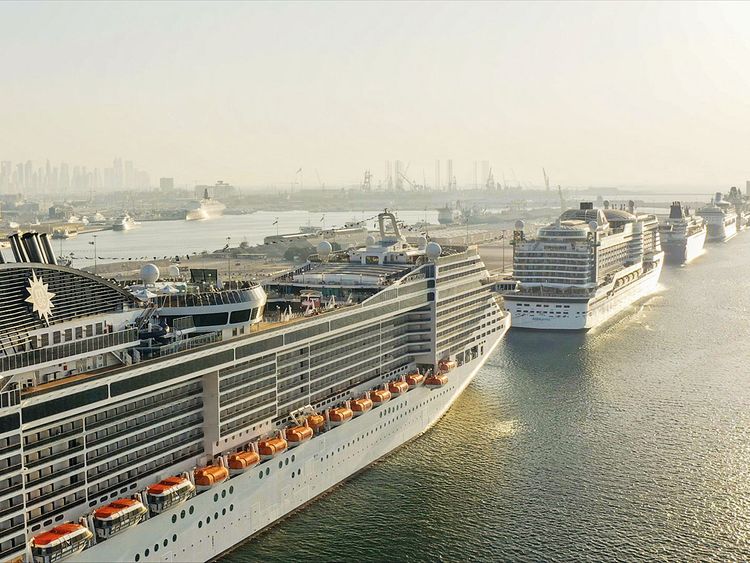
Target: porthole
x,y
292,474
286,461
231,508
281,464
182,514
137,557
292,457
216,497
223,511
216,515
200,524
156,547
165,542
268,470
223,494
174,538
145,553
260,475
231,490
192,509
208,519
174,518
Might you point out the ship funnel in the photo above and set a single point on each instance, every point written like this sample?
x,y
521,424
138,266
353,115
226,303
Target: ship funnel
x,y
19,252
31,244
46,245
586,205
631,206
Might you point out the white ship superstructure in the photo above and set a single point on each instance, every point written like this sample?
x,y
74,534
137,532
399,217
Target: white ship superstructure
x,y
683,234
583,269
721,219
127,434
206,208
123,223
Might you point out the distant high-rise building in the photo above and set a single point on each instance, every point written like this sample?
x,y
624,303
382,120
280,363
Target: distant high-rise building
x,y
28,175
19,178
64,178
438,185
129,180
117,174
450,179
485,171
166,184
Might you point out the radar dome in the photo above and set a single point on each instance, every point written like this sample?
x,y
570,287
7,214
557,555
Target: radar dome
x,y
422,243
149,273
593,225
174,271
519,225
370,240
324,248
433,250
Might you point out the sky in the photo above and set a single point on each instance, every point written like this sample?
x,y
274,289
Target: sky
x,y
632,94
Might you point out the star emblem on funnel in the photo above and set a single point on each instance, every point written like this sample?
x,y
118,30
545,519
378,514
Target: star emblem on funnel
x,y
40,297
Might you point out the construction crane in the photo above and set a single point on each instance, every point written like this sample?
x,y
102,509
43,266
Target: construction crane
x,y
546,179
367,181
320,184
490,184
562,199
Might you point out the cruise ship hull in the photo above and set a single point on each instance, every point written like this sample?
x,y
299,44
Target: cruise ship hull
x,y
215,521
721,233
685,249
556,313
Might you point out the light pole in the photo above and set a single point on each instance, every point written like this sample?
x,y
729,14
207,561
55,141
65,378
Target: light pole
x,y
229,260
94,243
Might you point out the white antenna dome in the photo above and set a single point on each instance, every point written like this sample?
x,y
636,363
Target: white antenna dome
x,y
433,250
422,243
370,240
149,273
174,271
520,225
324,249
593,225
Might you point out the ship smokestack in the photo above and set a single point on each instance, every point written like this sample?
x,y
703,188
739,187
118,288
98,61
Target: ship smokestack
x,y
19,252
32,247
47,248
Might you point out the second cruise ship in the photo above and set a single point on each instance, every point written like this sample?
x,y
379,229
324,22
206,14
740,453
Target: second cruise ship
x,y
172,421
584,268
721,219
683,234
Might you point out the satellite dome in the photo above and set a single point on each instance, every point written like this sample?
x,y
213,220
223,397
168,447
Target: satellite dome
x,y
370,240
174,271
324,248
593,225
149,273
433,250
519,225
422,242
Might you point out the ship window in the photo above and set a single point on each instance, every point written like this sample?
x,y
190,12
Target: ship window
x,y
239,316
200,525
137,557
192,509
146,552
174,538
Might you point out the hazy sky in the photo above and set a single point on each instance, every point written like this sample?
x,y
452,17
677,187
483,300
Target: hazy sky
x,y
605,93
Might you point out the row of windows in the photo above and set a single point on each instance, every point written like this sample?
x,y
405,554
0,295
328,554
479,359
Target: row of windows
x,y
249,405
246,377
247,420
264,384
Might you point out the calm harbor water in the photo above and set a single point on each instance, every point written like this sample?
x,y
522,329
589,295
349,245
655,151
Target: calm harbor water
x,y
631,442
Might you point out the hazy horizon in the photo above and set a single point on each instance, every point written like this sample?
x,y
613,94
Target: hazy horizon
x,y
616,94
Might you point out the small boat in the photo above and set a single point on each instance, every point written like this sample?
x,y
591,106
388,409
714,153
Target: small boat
x,y
435,381
60,542
414,379
118,516
168,492
397,388
297,435
360,406
380,397
339,415
209,476
316,422
447,365
271,447
242,461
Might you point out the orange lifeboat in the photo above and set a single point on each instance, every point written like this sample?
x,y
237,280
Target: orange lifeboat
x,y
398,388
207,477
414,379
297,435
118,516
316,422
447,365
360,406
435,381
271,447
60,542
167,493
339,415
380,396
242,461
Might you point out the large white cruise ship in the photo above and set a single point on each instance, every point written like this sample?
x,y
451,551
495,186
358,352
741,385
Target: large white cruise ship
x,y
176,420
584,268
721,219
207,208
683,234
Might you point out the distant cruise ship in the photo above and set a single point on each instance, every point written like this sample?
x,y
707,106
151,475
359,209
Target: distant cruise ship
x,y
123,223
584,268
207,208
170,421
683,234
721,219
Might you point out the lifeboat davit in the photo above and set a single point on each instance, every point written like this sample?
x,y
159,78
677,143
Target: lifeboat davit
x,y
414,379
380,397
168,493
436,381
339,415
360,406
60,542
271,447
209,476
118,516
398,388
297,435
316,422
242,461
447,365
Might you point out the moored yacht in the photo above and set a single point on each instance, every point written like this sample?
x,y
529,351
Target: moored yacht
x,y
123,223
